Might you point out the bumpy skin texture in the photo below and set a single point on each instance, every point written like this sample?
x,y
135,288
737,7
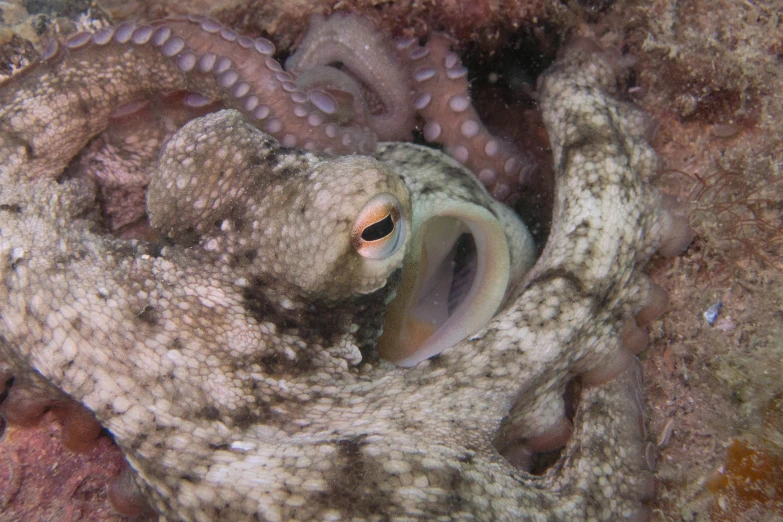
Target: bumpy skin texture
x,y
240,389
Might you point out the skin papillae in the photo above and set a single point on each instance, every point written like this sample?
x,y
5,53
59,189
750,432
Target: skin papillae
x,y
233,362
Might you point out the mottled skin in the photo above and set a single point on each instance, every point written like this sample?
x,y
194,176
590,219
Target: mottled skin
x,y
240,380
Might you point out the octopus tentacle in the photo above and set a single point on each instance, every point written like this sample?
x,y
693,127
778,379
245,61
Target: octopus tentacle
x,y
335,93
588,279
26,401
430,80
261,89
199,54
356,42
442,98
125,496
120,65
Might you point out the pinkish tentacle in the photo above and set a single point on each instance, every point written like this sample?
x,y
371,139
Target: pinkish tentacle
x,y
443,100
335,93
439,82
199,55
357,43
254,82
192,54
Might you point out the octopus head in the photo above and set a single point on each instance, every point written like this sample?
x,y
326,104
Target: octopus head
x,y
427,244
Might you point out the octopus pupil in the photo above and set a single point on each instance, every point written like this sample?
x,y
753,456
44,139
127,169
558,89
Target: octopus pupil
x,y
379,229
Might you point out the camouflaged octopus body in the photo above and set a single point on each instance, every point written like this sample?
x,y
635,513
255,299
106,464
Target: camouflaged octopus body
x,y
237,396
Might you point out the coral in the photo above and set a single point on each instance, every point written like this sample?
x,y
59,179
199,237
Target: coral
x,y
749,485
737,208
706,72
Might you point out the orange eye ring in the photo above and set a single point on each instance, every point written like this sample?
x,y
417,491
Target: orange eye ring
x,y
379,230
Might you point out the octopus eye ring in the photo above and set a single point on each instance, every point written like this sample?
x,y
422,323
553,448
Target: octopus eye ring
x,y
379,231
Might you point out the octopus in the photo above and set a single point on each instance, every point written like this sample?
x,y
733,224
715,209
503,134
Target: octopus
x,y
319,326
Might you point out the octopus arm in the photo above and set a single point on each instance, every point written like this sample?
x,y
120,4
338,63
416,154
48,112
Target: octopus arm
x,y
78,84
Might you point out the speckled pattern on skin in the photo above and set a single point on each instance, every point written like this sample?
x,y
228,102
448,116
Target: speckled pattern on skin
x,y
239,380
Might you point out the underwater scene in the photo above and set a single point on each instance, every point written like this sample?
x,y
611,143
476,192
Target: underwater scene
x,y
391,260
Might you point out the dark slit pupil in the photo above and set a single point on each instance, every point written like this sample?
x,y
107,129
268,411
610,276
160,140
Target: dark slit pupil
x,y
379,230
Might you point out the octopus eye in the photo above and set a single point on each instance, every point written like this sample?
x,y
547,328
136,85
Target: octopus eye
x,y
379,230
